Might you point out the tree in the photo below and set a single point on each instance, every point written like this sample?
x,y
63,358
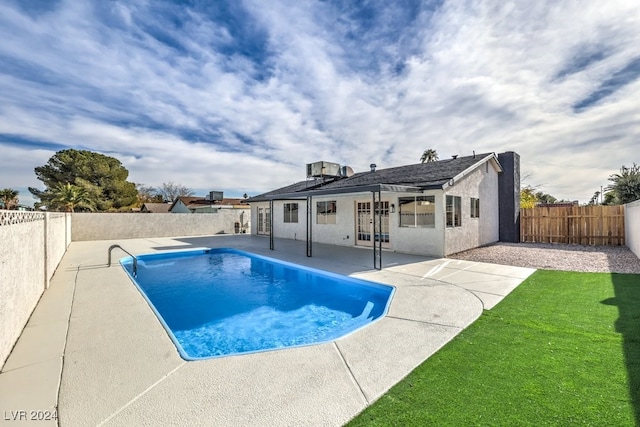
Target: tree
x,y
625,187
594,198
9,197
148,194
429,156
170,191
542,197
609,199
102,177
528,197
69,197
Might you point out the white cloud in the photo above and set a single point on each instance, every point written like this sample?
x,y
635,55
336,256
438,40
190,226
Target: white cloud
x,y
474,76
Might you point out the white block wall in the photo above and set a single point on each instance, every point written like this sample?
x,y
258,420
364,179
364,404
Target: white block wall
x,y
109,226
632,226
31,247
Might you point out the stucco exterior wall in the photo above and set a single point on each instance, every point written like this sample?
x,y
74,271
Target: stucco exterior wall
x,y
32,246
632,226
482,183
342,232
58,237
418,240
108,226
180,207
290,230
421,240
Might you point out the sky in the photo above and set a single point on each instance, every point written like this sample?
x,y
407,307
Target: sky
x,y
239,95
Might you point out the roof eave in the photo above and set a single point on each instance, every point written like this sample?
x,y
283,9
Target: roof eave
x,y
301,195
491,157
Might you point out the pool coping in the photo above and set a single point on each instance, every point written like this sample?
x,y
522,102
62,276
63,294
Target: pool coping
x,y
100,378
127,261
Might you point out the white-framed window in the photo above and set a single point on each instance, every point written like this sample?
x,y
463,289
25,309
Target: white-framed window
x,y
326,212
454,211
475,208
417,211
291,212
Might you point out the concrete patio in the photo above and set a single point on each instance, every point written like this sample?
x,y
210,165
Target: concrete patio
x,y
94,350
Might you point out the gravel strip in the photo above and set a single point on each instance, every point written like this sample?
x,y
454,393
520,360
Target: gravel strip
x,y
551,256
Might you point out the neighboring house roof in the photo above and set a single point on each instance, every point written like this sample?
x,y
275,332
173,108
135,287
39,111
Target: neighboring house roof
x,y
155,207
417,177
558,204
201,202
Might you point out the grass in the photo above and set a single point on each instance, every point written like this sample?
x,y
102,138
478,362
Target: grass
x,y
562,349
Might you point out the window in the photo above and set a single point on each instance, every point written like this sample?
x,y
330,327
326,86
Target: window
x,y
454,211
290,212
417,211
326,212
475,208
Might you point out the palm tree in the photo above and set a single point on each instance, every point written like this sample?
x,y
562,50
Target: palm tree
x,y
9,197
70,197
429,156
625,185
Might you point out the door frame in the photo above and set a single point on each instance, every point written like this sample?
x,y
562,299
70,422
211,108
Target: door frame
x,y
365,207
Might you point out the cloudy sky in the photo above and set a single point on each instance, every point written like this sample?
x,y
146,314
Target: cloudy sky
x,y
238,95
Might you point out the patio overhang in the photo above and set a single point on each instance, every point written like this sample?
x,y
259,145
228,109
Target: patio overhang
x,y
376,191
302,195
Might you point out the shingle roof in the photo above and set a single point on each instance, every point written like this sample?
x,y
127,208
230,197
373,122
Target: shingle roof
x,y
190,201
156,207
423,175
297,187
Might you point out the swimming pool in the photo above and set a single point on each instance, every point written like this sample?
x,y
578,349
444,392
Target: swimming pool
x,y
219,302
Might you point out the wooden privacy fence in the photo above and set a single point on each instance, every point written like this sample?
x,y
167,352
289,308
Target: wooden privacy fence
x,y
581,225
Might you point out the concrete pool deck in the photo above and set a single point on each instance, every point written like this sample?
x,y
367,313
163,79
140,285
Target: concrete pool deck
x,y
94,350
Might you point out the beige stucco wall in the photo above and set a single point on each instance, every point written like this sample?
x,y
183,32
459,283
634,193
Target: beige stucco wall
x,y
27,263
632,226
482,183
108,226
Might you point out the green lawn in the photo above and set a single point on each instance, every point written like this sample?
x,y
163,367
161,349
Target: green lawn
x,y
562,349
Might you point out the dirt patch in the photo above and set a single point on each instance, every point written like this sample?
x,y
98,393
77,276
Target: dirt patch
x,y
597,259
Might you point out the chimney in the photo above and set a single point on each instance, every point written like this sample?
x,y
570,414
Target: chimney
x,y
509,197
373,167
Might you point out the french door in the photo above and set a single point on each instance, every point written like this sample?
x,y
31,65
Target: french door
x,y
264,221
364,224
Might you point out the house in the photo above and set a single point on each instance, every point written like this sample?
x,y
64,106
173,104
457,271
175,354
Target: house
x,y
205,205
155,208
434,209
558,204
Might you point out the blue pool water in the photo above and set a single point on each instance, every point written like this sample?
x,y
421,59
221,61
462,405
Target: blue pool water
x,y
219,302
